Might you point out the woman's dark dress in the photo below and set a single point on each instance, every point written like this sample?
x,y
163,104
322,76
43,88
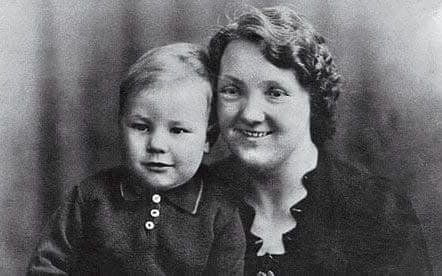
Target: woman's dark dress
x,y
351,222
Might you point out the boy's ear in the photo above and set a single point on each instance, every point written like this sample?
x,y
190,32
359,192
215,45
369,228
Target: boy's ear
x,y
207,147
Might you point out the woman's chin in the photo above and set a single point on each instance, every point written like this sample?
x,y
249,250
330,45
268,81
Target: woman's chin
x,y
255,159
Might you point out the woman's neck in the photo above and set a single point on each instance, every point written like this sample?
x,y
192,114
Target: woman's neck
x,y
280,188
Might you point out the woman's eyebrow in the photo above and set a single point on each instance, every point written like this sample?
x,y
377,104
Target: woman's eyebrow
x,y
228,78
273,83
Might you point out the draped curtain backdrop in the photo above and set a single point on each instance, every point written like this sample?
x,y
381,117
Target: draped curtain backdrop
x,y
61,63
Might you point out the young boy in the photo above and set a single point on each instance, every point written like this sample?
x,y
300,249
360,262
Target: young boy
x,y
160,213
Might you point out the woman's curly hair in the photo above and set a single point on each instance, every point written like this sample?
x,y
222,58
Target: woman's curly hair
x,y
288,41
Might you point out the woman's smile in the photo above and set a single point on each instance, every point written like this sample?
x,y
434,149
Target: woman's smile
x,y
252,133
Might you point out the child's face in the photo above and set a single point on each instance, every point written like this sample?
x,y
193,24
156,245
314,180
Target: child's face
x,y
164,132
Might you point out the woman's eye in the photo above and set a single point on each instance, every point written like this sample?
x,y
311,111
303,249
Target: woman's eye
x,y
179,130
276,92
140,127
229,91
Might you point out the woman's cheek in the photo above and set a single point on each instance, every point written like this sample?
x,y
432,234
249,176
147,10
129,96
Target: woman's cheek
x,y
227,111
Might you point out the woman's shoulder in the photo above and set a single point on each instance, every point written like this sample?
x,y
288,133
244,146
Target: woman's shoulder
x,y
369,197
352,179
360,193
374,215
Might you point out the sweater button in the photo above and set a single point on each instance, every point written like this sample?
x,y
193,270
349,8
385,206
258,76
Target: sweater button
x,y
156,198
155,213
149,225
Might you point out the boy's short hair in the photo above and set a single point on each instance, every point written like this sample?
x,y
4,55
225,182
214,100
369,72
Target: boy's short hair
x,y
164,64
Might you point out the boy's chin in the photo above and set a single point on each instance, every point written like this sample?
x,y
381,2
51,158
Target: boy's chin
x,y
159,182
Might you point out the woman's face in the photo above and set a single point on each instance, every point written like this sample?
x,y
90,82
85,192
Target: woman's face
x,y
264,112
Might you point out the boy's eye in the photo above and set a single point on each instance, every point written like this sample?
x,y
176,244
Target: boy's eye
x,y
140,127
229,92
178,130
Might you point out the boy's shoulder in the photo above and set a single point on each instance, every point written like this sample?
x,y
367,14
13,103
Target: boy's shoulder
x,y
105,183
217,188
204,194
227,174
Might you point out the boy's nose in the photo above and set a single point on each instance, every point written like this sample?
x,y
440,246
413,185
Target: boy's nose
x,y
157,143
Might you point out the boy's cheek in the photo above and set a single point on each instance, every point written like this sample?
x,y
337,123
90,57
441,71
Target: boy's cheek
x,y
132,146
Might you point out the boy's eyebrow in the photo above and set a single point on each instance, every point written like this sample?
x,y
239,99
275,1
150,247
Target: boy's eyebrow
x,y
180,122
138,117
146,119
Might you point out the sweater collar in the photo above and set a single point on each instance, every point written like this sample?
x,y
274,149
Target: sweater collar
x,y
186,197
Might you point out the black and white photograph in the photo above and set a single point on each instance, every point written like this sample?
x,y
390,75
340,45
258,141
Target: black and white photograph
x,y
206,137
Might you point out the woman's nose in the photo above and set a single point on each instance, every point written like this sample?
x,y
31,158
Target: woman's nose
x,y
157,142
253,110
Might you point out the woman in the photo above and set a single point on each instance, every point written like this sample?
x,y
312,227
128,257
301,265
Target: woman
x,y
303,211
